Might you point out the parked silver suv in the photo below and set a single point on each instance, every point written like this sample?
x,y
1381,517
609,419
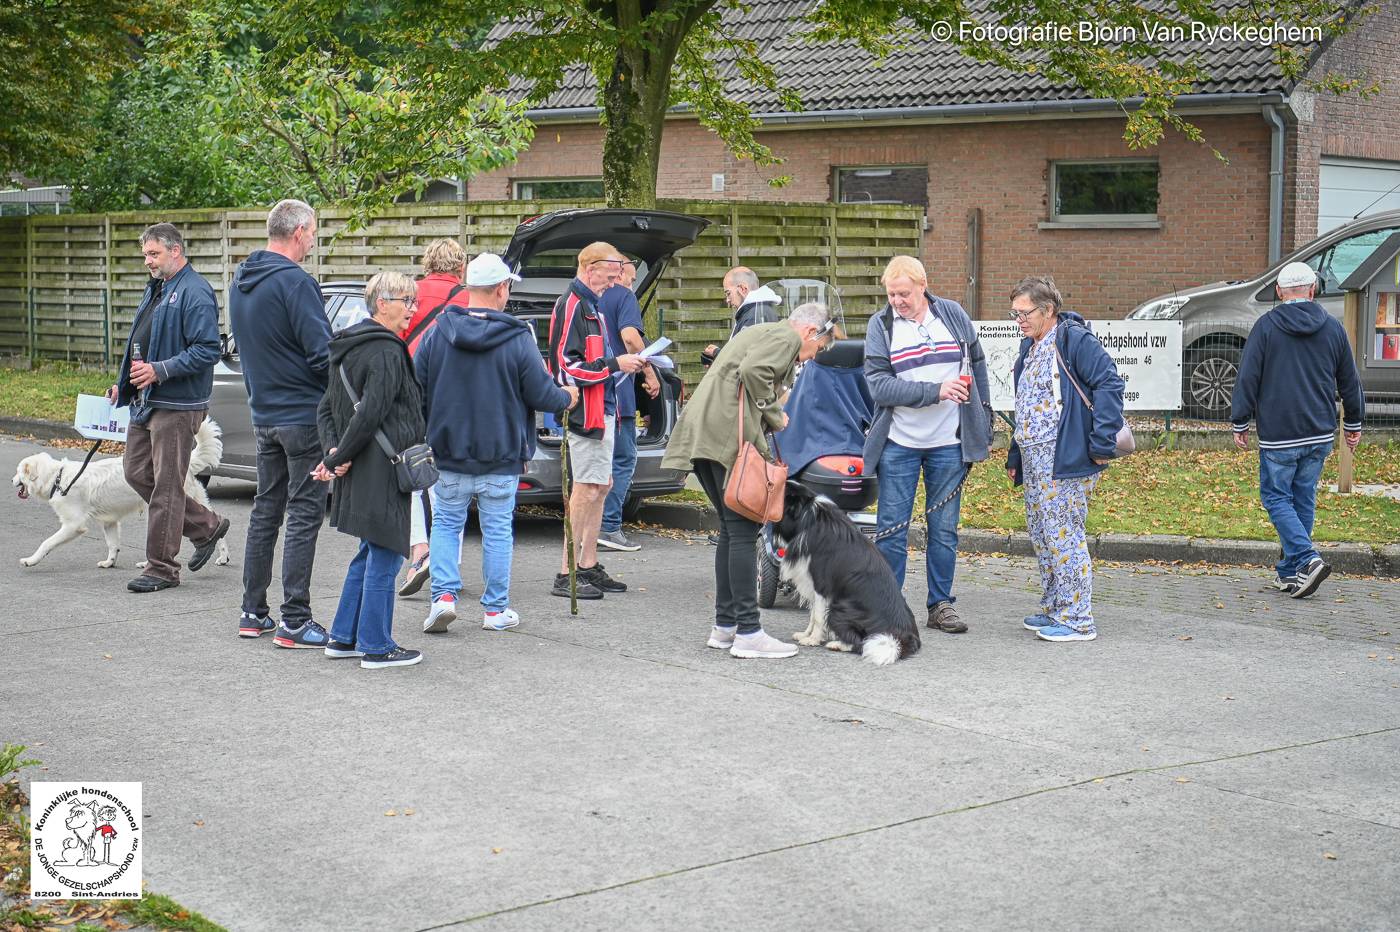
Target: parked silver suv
x,y
543,251
1216,318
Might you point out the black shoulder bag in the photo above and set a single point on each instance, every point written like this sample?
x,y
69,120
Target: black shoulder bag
x,y
415,468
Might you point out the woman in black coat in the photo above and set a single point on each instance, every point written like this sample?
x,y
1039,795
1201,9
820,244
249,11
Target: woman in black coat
x,y
367,502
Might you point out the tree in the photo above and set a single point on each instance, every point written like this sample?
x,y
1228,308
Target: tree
x,y
652,55
338,112
56,58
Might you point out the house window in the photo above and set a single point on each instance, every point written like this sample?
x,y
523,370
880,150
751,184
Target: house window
x,y
882,184
1117,190
559,189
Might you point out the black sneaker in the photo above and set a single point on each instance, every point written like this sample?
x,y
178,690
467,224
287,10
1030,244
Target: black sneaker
x,y
252,626
600,578
150,584
309,635
202,552
398,657
340,650
1310,577
585,588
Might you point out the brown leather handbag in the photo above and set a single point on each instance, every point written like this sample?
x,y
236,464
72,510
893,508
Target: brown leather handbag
x,y
755,486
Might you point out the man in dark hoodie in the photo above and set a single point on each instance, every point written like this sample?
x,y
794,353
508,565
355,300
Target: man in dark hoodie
x,y
478,352
279,323
1296,362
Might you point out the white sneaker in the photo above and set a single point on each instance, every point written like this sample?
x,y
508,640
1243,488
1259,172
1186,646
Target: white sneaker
x,y
761,646
500,621
441,615
721,638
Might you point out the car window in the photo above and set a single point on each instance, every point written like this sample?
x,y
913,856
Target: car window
x,y
563,263
350,312
1335,264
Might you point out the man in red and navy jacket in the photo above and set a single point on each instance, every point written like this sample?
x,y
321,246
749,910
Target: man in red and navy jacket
x,y
580,354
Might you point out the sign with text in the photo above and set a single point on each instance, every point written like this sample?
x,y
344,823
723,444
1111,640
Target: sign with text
x,y
96,419
1146,352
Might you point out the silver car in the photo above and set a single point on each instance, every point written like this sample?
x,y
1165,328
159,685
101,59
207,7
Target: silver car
x,y
544,253
1216,318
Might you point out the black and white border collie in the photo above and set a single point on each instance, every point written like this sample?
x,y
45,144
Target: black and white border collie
x,y
855,603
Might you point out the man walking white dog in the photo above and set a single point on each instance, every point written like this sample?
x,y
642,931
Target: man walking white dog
x,y
167,378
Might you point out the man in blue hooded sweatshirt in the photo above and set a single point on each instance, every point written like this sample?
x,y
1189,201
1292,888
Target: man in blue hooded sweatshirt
x,y
474,353
279,323
1296,362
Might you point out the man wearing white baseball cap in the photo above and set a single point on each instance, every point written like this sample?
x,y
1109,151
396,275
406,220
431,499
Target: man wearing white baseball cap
x,y
1296,362
476,353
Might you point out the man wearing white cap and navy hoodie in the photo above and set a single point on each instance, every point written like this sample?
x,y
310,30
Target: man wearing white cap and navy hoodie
x,y
1296,362
473,354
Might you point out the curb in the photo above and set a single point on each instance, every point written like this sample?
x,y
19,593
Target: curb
x,y
35,427
1354,559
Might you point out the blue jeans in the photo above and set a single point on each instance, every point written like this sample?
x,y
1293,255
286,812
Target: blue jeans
x,y
365,616
495,506
624,465
1288,491
900,467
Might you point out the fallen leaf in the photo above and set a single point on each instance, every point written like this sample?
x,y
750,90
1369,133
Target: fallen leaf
x,y
1182,780
1329,855
1228,698
1219,604
641,589
408,812
106,656
1370,656
496,850
199,823
1100,779
391,812
1183,637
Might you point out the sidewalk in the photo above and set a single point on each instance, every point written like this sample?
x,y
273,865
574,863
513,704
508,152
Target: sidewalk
x,y
1222,757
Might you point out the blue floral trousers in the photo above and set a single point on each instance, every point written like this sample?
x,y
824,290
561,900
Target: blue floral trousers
x,y
1056,510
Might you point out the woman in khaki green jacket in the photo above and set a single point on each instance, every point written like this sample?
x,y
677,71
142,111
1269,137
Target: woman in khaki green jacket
x,y
706,442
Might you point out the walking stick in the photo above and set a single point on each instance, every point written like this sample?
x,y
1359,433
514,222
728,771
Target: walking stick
x,y
568,525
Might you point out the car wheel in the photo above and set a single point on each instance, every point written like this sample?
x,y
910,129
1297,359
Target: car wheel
x,y
767,579
1208,380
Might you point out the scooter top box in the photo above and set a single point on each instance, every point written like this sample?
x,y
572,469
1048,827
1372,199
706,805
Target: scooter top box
x,y
842,479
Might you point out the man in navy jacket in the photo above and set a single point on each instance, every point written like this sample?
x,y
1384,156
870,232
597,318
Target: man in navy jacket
x,y
166,377
472,354
1296,362
279,322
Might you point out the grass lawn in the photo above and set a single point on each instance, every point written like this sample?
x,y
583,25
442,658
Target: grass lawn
x,y
1196,493
51,391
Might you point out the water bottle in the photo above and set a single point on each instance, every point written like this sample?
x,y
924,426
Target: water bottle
x,y
965,369
135,358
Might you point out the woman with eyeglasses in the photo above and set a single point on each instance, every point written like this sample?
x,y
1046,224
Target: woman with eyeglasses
x,y
933,415
762,360
367,503
1058,449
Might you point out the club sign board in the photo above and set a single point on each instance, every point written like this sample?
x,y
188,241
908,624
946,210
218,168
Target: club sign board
x,y
1146,352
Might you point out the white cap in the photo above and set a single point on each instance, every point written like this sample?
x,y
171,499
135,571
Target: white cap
x,y
1296,275
486,270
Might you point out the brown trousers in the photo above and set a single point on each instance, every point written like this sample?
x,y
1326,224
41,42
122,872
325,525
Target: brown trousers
x,y
157,458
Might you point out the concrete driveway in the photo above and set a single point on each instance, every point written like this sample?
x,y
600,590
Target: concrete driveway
x,y
1222,757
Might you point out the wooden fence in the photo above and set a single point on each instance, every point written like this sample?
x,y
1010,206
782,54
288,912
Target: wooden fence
x,y
69,284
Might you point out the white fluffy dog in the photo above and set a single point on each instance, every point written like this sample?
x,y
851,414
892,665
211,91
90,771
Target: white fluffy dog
x,y
102,495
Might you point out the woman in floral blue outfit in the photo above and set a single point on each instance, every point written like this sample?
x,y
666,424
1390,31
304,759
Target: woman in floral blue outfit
x,y
1059,448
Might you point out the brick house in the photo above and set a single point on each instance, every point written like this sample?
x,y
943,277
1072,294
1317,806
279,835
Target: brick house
x,y
1018,175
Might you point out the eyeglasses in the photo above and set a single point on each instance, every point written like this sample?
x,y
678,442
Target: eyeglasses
x,y
408,302
616,262
1022,315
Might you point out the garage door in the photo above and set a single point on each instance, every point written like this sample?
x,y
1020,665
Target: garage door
x,y
1351,186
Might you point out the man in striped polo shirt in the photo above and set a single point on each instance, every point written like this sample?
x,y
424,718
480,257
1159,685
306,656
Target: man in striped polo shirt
x,y
927,420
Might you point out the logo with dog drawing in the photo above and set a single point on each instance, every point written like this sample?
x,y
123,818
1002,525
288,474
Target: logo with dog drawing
x,y
86,840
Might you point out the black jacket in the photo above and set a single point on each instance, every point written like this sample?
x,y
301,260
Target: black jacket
x,y
367,502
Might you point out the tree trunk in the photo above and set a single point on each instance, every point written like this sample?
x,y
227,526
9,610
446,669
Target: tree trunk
x,y
634,111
